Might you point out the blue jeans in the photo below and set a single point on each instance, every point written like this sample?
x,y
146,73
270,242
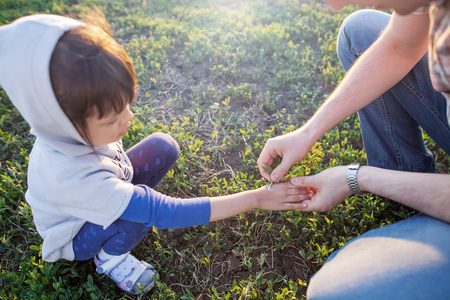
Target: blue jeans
x,y
151,159
409,259
391,125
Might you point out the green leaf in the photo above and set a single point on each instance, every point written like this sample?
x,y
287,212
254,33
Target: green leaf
x,y
267,170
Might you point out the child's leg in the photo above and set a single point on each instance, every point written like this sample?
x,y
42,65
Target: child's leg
x,y
119,238
112,246
152,158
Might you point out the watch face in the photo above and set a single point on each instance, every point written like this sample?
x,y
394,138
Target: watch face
x,y
354,166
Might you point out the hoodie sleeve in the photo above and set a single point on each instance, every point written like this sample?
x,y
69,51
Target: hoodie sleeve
x,y
152,208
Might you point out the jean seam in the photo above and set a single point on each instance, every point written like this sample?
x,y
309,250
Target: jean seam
x,y
388,128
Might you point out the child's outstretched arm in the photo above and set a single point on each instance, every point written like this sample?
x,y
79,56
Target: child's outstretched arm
x,y
152,208
282,196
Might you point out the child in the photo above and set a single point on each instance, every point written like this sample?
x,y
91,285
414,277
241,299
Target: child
x,y
73,83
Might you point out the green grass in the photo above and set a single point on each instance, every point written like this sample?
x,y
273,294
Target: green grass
x,y
221,77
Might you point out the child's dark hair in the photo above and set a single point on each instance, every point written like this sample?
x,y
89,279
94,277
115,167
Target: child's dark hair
x,y
90,69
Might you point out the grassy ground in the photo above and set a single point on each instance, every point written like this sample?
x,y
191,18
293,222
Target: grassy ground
x,y
221,77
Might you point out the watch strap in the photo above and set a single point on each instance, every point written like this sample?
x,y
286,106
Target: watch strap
x,y
352,172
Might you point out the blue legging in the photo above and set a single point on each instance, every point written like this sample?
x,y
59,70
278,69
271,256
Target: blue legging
x,y
151,158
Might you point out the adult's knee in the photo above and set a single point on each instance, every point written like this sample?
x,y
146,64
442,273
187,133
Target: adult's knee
x,y
406,260
358,32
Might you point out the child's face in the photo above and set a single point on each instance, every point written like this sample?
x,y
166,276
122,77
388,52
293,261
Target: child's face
x,y
110,128
400,6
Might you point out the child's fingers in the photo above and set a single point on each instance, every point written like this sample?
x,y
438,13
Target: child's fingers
x,y
312,189
296,206
298,198
297,188
299,192
288,185
290,192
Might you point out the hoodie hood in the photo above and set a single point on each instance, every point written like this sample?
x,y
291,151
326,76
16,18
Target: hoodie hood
x,y
26,48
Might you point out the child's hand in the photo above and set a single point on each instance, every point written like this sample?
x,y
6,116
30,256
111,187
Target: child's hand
x,y
282,196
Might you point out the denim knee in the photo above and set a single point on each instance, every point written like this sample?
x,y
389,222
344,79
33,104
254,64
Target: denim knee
x,y
406,260
358,31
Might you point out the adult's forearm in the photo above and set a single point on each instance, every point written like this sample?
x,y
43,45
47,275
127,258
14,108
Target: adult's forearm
x,y
427,193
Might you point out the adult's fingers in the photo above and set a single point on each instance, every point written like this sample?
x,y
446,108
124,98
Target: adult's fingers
x,y
305,181
265,161
280,172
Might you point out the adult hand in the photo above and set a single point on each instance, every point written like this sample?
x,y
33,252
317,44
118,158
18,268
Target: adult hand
x,y
291,147
330,187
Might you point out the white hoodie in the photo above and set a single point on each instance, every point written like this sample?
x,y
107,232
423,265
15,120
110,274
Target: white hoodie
x,y
68,184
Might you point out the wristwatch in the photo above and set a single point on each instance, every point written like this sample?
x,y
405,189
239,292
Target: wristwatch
x,y
352,172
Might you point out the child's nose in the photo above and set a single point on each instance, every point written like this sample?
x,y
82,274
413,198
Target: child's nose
x,y
129,115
